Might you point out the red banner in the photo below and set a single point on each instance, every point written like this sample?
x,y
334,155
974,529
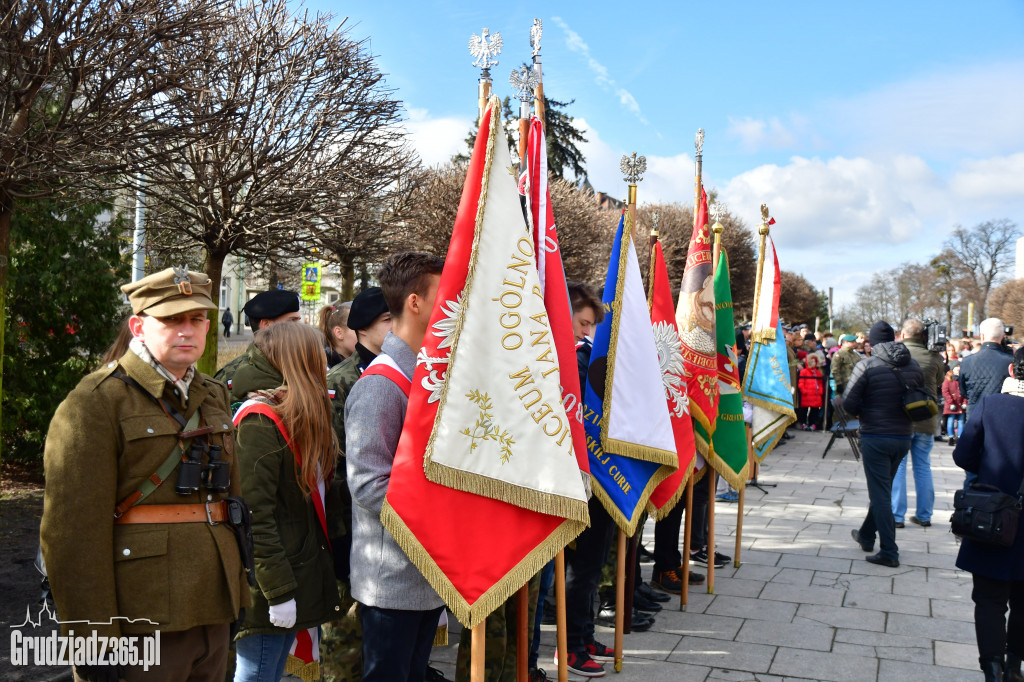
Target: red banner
x,y
670,356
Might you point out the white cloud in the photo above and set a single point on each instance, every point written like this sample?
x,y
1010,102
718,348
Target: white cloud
x,y
436,140
668,178
576,44
846,200
996,178
755,134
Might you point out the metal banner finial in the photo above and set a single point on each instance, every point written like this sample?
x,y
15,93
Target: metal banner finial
x,y
718,209
633,168
765,220
486,51
535,32
523,80
698,141
655,217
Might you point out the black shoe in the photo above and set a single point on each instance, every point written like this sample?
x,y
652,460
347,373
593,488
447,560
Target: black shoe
x,y
899,524
641,621
653,594
882,561
435,675
923,524
701,557
667,581
645,605
863,545
939,439
993,670
645,554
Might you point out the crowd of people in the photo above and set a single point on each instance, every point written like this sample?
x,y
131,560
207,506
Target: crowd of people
x,y
245,508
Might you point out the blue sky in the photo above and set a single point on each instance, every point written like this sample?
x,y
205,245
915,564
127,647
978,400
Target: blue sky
x,y
870,129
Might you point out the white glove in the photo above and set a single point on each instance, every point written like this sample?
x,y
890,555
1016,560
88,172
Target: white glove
x,y
283,615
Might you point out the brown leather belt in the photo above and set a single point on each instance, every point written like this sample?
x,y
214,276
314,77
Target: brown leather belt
x,y
210,512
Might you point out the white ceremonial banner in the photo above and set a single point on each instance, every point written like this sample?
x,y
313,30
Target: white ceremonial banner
x,y
501,429
638,414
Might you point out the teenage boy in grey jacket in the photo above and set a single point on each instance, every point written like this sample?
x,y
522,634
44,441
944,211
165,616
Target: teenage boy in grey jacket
x,y
400,610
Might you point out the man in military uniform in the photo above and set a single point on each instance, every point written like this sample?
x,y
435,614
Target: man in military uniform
x,y
134,537
844,361
341,653
263,310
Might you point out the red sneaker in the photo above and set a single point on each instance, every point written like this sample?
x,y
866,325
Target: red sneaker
x,y
582,664
600,652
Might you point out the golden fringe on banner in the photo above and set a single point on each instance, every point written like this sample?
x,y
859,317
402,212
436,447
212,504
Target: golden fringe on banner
x,y
472,614
737,479
527,498
765,336
659,514
307,672
629,525
440,636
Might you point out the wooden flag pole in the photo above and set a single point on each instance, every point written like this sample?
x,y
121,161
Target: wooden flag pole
x,y
712,488
684,592
620,597
523,634
562,642
743,495
476,652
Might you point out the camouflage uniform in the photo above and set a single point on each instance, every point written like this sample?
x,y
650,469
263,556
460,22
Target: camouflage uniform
x,y
842,367
501,641
341,641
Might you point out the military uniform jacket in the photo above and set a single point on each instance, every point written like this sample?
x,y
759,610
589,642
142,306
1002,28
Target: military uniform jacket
x,y
842,366
104,440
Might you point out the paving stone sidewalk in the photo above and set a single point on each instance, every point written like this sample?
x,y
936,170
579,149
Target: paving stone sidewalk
x,y
804,605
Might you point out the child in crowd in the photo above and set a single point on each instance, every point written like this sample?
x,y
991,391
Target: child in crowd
x,y
811,383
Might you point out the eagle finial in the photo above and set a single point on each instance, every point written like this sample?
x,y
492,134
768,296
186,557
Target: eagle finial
x,y
485,51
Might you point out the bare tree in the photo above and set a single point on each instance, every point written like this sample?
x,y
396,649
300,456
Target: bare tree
x,y
798,300
305,161
1007,303
83,82
675,227
982,255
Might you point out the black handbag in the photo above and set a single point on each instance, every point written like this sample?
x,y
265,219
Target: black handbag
x,y
986,515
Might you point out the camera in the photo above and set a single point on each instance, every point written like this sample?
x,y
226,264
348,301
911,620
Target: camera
x,y
937,334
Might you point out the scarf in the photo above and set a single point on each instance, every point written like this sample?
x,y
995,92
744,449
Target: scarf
x,y
139,348
1013,387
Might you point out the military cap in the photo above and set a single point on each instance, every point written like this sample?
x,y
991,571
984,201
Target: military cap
x,y
367,306
267,305
847,337
170,292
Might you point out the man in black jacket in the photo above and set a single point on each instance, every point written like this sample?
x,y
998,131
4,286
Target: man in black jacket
x,y
875,395
982,373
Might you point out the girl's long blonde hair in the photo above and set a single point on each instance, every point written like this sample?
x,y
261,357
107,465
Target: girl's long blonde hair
x,y
296,350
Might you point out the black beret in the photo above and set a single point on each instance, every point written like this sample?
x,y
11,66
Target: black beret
x,y
367,306
881,332
268,305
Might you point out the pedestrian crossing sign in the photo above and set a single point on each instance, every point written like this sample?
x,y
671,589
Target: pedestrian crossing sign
x,y
311,281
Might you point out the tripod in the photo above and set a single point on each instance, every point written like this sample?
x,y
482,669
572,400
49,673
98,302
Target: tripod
x,y
844,426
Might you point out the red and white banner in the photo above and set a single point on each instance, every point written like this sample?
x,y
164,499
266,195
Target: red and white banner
x,y
485,487
670,357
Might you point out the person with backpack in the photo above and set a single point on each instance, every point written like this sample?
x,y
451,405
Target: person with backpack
x,y
875,394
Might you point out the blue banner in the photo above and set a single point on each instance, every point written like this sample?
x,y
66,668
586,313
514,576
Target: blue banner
x,y
625,468
767,387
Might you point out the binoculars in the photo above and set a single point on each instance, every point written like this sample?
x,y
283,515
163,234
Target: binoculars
x,y
214,477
